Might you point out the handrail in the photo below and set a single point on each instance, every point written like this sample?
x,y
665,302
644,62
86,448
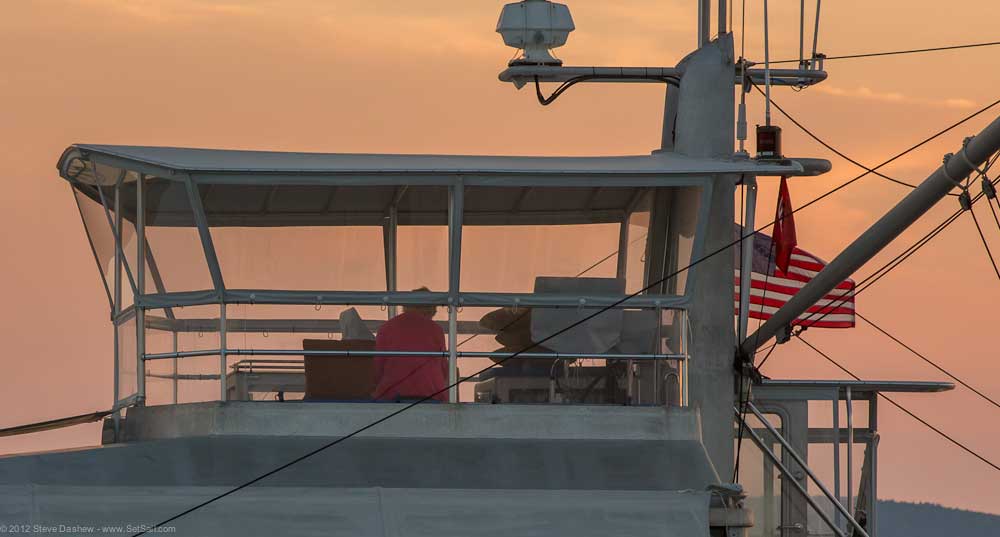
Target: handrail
x,y
439,354
789,477
798,459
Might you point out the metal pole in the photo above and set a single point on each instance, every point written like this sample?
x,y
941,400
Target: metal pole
x,y
453,353
621,270
437,354
704,22
687,356
802,30
798,459
175,368
117,309
222,352
873,494
768,527
456,210
836,451
201,221
630,379
722,17
140,277
392,270
746,263
816,28
657,349
880,234
767,68
789,477
850,455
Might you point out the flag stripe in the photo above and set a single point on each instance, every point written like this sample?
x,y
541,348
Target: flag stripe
x,y
771,290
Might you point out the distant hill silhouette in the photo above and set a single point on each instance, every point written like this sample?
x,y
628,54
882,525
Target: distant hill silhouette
x,y
903,519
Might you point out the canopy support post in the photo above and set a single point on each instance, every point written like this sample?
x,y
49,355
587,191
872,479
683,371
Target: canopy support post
x,y
116,308
746,261
456,209
198,211
140,277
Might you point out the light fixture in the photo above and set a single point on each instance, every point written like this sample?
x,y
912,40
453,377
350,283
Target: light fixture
x,y
536,27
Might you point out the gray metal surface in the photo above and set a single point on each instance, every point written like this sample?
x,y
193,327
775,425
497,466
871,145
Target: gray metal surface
x,y
468,463
363,512
440,470
228,166
864,386
704,128
523,74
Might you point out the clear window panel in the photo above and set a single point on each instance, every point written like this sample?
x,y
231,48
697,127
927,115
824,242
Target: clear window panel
x,y
512,236
99,223
196,328
127,358
637,246
99,232
161,375
268,344
325,237
422,258
175,258
580,379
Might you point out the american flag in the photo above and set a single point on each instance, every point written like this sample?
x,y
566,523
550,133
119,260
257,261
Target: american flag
x,y
770,287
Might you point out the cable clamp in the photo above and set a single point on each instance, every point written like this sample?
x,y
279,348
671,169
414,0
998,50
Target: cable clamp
x,y
964,200
989,190
944,169
965,157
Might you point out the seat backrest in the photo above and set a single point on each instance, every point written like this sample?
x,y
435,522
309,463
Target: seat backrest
x,y
340,378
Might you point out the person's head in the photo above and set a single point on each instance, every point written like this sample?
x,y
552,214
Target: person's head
x,y
425,311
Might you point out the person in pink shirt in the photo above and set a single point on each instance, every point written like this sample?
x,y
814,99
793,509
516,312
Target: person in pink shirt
x,y
411,377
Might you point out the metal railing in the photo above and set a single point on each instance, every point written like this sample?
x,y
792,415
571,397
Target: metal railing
x,y
790,477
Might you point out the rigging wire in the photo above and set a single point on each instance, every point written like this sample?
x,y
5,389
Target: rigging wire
x,y
894,263
899,155
823,143
875,276
994,211
928,360
744,406
986,245
900,52
903,256
879,273
399,411
904,409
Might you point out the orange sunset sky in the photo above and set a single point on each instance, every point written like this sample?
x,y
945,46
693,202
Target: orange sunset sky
x,y
415,77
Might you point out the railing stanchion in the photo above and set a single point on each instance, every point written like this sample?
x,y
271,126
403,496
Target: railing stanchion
x,y
223,351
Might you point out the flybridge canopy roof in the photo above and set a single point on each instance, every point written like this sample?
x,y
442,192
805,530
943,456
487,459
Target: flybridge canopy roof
x,y
275,189
269,167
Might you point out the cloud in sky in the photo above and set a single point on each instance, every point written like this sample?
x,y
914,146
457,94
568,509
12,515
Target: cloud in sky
x,y
176,10
865,92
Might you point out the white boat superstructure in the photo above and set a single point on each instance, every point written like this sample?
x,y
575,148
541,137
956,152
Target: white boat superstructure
x,y
587,395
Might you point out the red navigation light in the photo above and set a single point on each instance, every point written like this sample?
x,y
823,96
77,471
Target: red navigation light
x,y
768,142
